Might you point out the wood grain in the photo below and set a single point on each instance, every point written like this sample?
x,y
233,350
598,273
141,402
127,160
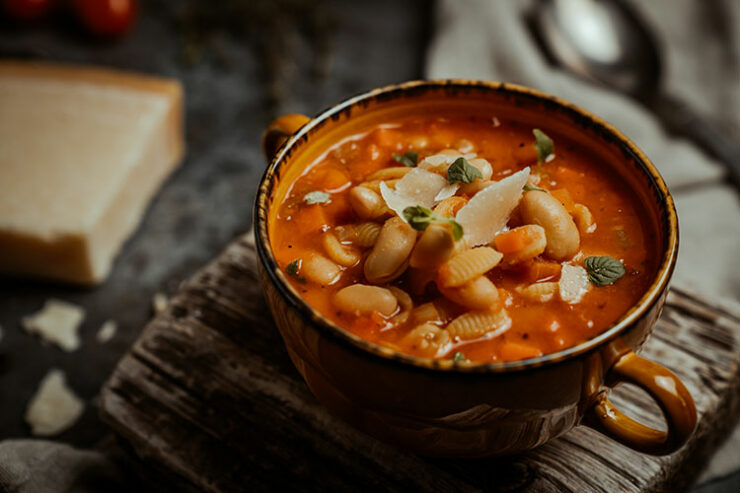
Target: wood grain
x,y
208,394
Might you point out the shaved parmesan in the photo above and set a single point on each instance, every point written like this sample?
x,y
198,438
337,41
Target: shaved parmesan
x,y
488,211
447,192
437,162
573,283
57,322
54,407
417,187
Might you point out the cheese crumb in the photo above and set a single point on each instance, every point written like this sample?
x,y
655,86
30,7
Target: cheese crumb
x,y
160,302
106,331
54,407
57,322
573,283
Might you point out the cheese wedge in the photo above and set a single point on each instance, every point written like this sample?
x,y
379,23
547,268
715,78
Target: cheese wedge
x,y
82,151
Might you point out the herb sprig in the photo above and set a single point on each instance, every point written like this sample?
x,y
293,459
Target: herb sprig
x,y
408,158
461,171
292,270
420,218
543,144
603,271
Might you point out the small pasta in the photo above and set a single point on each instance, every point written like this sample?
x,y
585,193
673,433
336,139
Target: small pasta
x,y
426,312
478,294
389,173
339,253
540,292
468,265
478,323
475,187
389,256
404,302
363,299
427,339
319,269
584,219
362,235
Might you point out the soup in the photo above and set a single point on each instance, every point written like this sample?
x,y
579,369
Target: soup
x,y
464,237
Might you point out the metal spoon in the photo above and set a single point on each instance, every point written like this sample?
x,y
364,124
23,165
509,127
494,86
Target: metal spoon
x,y
605,41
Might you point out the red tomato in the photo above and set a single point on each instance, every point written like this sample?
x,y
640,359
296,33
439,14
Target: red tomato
x,y
107,17
27,9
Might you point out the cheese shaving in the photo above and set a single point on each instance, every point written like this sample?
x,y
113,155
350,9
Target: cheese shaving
x,y
486,214
57,322
54,407
573,283
417,187
447,192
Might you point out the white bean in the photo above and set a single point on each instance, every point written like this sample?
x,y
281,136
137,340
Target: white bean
x,y
319,269
366,203
389,256
362,299
561,232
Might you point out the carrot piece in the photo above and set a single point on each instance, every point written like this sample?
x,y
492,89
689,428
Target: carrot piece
x,y
563,196
331,179
514,351
511,241
537,270
311,219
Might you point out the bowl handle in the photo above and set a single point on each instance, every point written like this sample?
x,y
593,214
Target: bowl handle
x,y
671,395
278,132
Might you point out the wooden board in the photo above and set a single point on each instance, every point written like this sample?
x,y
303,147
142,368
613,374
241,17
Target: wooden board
x,y
209,395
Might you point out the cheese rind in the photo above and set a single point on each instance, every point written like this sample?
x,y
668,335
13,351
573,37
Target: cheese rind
x,y
87,148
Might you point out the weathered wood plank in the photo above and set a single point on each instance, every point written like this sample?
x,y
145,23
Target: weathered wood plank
x,y
208,393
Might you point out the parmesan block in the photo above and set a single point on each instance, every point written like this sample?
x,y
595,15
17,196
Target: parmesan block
x,y
83,151
57,322
573,283
54,407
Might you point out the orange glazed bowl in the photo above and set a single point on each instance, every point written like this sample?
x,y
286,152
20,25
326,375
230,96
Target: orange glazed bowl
x,y
442,407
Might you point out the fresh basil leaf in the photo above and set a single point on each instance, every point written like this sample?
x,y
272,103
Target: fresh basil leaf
x,y
420,218
408,158
459,357
461,171
603,271
316,197
457,230
544,145
532,188
292,270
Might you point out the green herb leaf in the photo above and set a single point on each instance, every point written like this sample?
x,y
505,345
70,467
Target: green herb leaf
x,y
461,171
420,218
459,357
316,197
532,188
408,158
457,229
603,271
543,144
292,270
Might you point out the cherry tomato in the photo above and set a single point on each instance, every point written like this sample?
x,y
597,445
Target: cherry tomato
x,y
27,9
107,17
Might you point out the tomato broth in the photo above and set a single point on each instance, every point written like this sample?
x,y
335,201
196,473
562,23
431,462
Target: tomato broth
x,y
532,310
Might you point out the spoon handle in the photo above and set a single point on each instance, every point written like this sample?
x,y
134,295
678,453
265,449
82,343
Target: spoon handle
x,y
683,120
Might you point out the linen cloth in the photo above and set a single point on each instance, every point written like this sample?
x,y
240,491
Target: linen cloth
x,y
493,40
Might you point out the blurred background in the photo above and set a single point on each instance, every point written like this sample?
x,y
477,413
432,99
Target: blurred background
x,y
244,62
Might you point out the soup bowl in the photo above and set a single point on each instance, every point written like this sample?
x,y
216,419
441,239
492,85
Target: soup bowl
x,y
441,407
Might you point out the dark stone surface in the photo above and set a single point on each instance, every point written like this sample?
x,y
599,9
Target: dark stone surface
x,y
208,201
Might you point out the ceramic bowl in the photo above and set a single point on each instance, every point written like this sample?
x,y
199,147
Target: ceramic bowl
x,y
440,408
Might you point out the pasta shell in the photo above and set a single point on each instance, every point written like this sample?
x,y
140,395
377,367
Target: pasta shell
x,y
337,252
479,323
404,301
427,339
468,265
540,292
389,173
478,294
449,206
584,219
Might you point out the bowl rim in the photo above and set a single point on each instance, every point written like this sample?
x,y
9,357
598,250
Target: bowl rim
x,y
668,218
